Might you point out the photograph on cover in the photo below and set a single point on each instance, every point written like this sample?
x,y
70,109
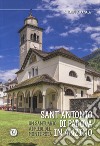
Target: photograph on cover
x,y
49,73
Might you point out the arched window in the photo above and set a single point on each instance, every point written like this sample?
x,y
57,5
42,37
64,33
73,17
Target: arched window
x,y
34,36
31,37
69,92
37,38
88,79
73,74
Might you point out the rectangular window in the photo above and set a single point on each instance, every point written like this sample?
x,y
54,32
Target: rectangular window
x,y
29,75
81,93
36,71
33,72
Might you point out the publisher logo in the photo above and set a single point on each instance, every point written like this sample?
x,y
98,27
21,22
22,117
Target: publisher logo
x,y
13,132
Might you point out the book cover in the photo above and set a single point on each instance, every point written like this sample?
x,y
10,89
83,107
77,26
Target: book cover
x,y
49,73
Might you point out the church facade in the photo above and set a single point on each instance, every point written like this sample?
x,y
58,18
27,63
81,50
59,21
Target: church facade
x,y
48,80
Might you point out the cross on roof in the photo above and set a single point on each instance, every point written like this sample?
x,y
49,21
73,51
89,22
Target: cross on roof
x,y
30,12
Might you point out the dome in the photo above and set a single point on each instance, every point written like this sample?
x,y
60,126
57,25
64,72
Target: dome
x,y
31,20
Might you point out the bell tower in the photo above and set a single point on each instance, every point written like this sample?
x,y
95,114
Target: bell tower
x,y
30,37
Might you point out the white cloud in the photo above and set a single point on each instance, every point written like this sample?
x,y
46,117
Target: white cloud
x,y
53,15
94,33
49,16
1,56
56,15
91,29
93,49
75,30
64,34
79,48
66,27
96,37
93,2
49,29
98,11
8,74
97,15
85,49
45,21
62,46
46,0
98,19
62,7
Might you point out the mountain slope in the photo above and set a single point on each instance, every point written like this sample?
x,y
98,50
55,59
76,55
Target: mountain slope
x,y
94,59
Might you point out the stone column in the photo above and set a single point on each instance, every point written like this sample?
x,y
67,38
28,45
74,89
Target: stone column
x,y
7,102
44,102
17,104
61,96
13,103
24,104
44,99
31,109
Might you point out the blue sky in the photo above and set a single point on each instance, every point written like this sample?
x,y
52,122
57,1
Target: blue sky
x,y
67,23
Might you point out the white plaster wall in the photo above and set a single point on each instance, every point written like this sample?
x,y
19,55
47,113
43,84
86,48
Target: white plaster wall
x,y
66,102
1,101
89,84
49,67
66,99
94,82
67,65
59,68
78,94
98,81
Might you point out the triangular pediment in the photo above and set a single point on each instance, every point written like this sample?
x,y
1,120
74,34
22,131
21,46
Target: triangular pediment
x,y
46,56
31,57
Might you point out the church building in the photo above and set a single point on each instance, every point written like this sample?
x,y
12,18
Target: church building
x,y
49,80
